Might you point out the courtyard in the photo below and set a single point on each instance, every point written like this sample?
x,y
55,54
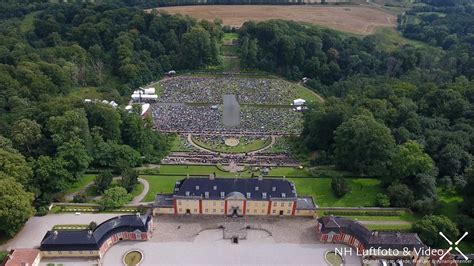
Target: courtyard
x,y
187,240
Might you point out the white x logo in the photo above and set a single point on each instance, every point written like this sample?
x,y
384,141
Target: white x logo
x,y
455,245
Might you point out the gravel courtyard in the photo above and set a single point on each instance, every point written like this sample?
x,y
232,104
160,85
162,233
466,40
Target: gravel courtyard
x,y
191,240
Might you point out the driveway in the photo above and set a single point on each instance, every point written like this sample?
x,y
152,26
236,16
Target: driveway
x,y
34,230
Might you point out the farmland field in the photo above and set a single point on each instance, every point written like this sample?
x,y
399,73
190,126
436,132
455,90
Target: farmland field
x,y
354,19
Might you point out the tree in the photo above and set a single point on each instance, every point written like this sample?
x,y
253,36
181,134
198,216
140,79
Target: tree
x,y
340,186
110,155
363,145
429,226
115,197
103,180
25,134
15,206
72,124
129,179
197,44
410,160
400,195
50,178
13,164
76,156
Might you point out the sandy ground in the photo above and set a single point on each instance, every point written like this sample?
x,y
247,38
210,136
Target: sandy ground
x,y
355,19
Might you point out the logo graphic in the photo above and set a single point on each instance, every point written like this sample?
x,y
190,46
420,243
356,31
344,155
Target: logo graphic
x,y
453,245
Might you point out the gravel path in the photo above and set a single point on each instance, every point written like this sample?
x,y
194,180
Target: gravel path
x,y
146,187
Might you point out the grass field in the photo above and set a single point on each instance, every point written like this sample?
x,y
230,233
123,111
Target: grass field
x,y
354,19
159,184
81,183
362,194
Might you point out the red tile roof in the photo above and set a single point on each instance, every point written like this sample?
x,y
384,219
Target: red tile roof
x,y
21,257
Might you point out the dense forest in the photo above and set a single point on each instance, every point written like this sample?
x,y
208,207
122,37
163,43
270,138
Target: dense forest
x,y
404,115
52,56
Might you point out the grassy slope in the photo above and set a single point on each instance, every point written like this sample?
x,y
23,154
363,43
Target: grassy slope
x,y
79,184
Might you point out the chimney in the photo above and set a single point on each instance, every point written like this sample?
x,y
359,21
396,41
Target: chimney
x,y
211,176
260,177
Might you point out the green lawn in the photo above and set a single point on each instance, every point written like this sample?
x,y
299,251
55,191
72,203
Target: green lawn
x,y
289,171
137,190
230,36
230,50
362,194
449,201
307,94
390,40
79,184
159,184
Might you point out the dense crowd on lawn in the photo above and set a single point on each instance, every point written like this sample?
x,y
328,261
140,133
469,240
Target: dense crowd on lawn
x,y
211,158
204,119
187,89
218,141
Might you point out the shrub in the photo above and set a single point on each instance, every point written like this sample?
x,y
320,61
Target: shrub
x,y
400,195
92,225
382,200
79,198
340,186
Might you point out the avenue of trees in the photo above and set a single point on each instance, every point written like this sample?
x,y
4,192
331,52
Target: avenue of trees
x,y
52,57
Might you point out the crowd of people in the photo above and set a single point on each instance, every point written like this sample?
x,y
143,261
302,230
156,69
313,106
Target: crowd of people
x,y
184,118
208,158
187,89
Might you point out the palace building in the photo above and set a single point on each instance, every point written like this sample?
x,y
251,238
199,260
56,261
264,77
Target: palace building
x,y
369,243
95,243
234,197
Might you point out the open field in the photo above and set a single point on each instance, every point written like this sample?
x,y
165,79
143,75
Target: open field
x,y
354,19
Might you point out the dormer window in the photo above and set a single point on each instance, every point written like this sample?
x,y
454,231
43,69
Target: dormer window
x,y
274,189
222,195
256,188
214,187
248,195
187,193
283,195
197,187
264,195
206,195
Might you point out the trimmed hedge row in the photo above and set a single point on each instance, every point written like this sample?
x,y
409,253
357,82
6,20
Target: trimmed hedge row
x,y
364,213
